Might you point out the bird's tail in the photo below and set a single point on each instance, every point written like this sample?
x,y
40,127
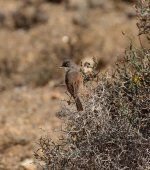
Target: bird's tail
x,y
78,104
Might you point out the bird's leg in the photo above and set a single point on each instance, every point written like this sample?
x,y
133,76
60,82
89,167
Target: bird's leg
x,y
68,94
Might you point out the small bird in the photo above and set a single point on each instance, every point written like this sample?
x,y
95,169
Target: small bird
x,y
73,80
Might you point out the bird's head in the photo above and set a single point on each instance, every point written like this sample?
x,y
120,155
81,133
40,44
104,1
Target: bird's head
x,y
68,64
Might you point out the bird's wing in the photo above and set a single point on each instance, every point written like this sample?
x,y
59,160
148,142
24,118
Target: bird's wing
x,y
73,82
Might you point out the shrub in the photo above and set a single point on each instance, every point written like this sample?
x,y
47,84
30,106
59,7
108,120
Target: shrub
x,y
93,140
130,90
113,130
143,13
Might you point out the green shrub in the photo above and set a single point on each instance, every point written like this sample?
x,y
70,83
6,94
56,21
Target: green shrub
x,y
130,90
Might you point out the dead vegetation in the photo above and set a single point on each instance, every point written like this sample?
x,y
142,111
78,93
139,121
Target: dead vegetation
x,y
31,53
113,130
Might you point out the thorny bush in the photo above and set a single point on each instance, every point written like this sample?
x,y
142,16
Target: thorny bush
x,y
113,130
112,133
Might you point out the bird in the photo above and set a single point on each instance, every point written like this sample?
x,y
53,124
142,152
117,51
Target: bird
x,y
74,81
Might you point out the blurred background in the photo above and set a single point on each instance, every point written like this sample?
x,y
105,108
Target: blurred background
x,y
35,37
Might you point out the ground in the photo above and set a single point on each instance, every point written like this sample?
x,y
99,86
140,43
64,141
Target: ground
x,y
30,78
